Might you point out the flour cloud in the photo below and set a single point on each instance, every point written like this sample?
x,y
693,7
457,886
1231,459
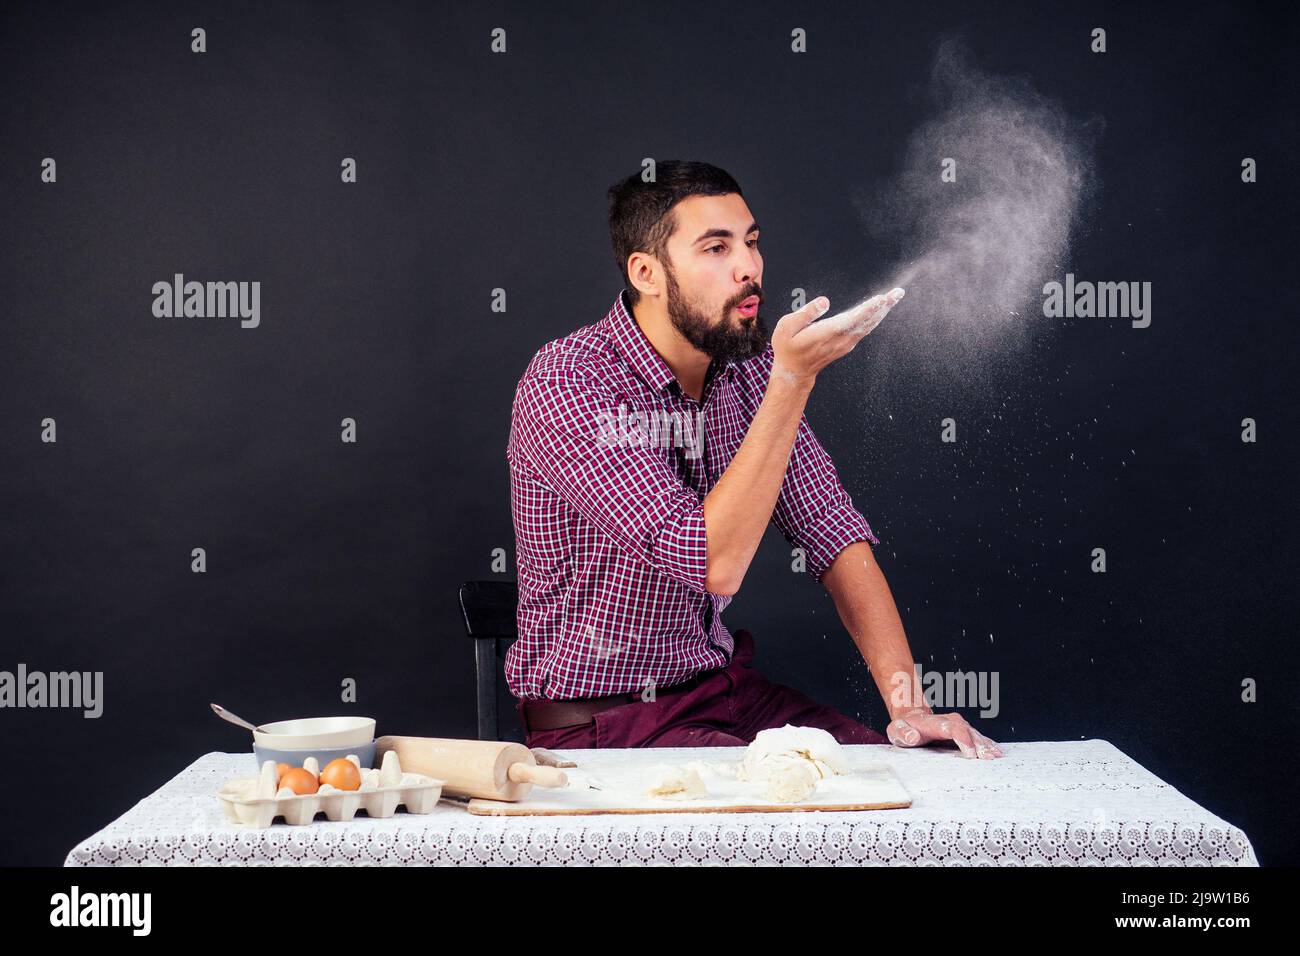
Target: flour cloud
x,y
973,253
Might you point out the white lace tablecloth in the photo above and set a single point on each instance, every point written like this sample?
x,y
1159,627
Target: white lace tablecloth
x,y
1062,804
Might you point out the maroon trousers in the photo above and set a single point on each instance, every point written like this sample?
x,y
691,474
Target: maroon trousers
x,y
726,708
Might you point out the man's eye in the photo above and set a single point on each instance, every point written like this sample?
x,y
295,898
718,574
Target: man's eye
x,y
751,242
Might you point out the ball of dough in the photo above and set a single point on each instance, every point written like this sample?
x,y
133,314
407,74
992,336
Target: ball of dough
x,y
790,778
812,744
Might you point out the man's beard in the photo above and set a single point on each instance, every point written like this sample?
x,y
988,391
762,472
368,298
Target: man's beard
x,y
720,340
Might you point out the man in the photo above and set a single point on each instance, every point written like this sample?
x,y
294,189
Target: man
x,y
648,452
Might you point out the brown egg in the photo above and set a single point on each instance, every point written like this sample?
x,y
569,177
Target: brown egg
x,y
300,781
341,773
281,769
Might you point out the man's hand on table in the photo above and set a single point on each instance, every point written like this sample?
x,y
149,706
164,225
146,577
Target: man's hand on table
x,y
918,727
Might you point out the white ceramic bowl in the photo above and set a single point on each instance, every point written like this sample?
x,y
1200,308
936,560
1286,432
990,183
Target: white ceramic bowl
x,y
314,733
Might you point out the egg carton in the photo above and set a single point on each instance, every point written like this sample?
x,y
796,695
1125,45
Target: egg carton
x,y
256,802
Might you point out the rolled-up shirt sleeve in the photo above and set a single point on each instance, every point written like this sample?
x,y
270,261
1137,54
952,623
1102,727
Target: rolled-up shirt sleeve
x,y
813,511
566,423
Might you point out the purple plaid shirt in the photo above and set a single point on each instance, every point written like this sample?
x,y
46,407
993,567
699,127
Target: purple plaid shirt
x,y
609,465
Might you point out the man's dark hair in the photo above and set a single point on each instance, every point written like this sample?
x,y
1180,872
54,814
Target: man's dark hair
x,y
640,213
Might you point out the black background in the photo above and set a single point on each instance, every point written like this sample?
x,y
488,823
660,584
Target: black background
x,y
477,171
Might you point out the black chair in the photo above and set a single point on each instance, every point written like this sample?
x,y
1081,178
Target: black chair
x,y
489,608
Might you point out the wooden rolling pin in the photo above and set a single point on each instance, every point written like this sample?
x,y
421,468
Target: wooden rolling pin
x,y
495,770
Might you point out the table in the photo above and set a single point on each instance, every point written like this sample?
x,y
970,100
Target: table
x,y
1067,803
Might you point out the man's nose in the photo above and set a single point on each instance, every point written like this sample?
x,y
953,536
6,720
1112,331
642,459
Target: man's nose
x,y
750,268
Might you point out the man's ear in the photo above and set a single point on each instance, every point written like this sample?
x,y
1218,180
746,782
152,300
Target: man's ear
x,y
644,272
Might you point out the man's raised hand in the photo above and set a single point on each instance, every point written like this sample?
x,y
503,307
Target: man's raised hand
x,y
804,343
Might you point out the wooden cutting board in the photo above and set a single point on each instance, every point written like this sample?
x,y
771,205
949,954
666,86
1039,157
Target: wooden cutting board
x,y
610,789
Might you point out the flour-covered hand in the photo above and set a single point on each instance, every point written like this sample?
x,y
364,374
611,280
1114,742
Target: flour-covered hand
x,y
916,728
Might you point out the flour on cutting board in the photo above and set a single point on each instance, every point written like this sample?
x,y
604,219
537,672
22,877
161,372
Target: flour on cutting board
x,y
783,765
670,782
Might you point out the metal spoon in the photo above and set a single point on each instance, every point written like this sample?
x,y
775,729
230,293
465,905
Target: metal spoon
x,y
233,718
